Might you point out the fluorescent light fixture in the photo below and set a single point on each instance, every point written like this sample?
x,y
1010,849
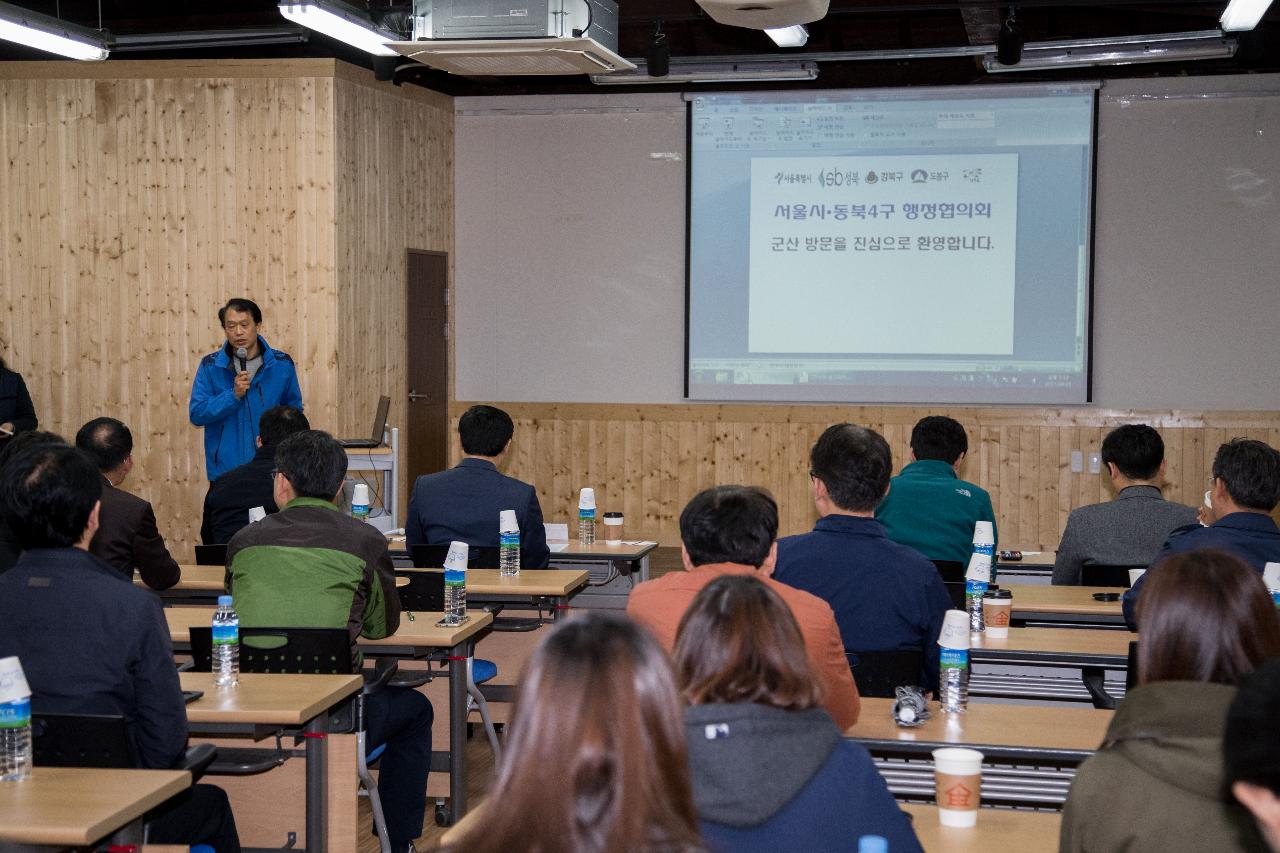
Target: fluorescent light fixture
x,y
340,21
793,36
1243,15
712,72
1123,50
42,32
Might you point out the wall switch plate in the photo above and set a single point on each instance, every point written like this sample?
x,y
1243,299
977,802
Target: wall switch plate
x,y
1095,463
1077,462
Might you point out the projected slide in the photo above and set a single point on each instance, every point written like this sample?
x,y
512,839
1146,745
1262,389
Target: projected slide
x,y
890,247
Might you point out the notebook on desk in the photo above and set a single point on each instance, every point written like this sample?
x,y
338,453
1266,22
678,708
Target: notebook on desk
x,y
379,428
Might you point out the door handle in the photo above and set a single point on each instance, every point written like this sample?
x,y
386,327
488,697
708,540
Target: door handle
x,y
414,395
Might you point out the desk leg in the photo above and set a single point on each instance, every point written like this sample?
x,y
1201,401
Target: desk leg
x,y
559,606
458,728
317,773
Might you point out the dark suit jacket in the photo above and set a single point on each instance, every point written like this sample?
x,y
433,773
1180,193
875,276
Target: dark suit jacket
x,y
91,642
231,496
127,538
464,503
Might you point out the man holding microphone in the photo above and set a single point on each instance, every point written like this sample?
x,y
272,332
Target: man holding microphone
x,y
236,384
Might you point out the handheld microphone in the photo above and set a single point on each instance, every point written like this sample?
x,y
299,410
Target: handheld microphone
x,y
243,355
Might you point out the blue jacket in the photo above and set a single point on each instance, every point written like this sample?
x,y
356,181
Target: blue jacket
x,y
1251,536
464,503
231,425
885,596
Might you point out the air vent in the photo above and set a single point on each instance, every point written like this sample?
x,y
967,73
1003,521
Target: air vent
x,y
515,57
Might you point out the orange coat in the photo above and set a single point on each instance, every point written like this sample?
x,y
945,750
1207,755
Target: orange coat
x,y
659,604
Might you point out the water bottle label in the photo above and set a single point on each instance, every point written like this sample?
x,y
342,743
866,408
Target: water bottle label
x,y
955,658
587,513
226,634
975,588
16,714
455,577
360,510
1275,596
509,540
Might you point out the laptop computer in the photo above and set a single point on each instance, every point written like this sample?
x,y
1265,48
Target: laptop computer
x,y
379,428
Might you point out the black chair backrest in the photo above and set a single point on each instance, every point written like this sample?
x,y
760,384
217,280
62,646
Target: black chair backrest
x,y
952,571
878,673
1131,673
955,589
81,740
432,556
425,592
1096,574
318,651
211,555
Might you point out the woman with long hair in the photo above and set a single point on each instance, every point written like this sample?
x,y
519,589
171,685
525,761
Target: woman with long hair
x,y
770,769
1156,783
595,756
17,414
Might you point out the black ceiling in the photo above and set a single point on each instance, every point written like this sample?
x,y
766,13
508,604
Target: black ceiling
x,y
850,25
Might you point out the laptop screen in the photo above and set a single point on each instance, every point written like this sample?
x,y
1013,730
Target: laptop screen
x,y
380,419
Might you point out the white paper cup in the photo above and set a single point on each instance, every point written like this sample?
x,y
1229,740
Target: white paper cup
x,y
587,499
955,630
984,533
1134,574
507,521
13,682
256,514
613,522
457,557
958,783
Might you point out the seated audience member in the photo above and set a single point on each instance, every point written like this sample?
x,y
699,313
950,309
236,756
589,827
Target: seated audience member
x,y
1251,747
231,496
1156,783
929,507
464,502
1129,530
731,530
89,641
312,566
770,769
885,595
127,537
1244,489
597,712
9,547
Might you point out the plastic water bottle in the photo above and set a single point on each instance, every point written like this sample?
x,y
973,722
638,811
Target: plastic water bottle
x,y
15,722
1271,577
508,544
587,517
226,644
360,502
873,844
974,590
978,576
455,584
954,659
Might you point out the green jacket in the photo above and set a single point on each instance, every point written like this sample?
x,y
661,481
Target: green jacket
x,y
311,566
1155,785
932,510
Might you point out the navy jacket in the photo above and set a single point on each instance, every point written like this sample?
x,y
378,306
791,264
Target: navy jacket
x,y
90,642
1251,536
885,596
231,424
231,496
464,503
15,403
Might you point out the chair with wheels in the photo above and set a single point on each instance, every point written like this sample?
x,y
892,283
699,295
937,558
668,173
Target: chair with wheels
x,y
877,674
321,651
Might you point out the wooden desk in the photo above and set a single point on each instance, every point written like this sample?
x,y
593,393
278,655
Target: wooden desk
x,y
1043,604
997,829
1011,732
1055,647
72,807
415,638
489,585
200,585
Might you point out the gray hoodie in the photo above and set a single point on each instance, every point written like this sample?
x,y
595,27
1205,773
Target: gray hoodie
x,y
747,761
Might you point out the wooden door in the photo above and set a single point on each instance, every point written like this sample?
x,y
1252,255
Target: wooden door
x,y
428,363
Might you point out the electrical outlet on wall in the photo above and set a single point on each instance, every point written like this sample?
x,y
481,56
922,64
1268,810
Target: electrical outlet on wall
x,y
1095,463
1077,462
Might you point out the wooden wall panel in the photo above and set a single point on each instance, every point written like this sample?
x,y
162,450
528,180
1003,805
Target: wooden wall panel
x,y
139,196
394,193
648,460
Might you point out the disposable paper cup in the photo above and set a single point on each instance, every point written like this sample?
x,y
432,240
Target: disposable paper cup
x,y
507,521
955,630
360,495
995,613
613,523
1134,574
587,499
13,683
256,514
457,557
957,776
984,533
